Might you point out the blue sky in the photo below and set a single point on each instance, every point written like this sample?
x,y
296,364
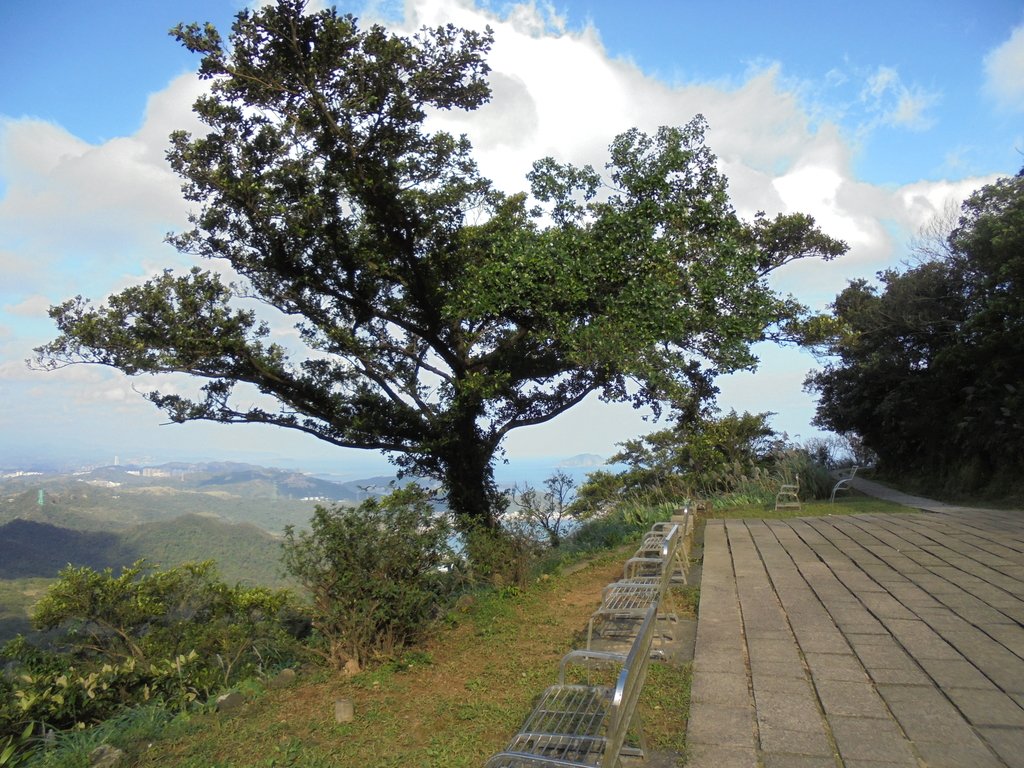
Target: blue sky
x,y
871,116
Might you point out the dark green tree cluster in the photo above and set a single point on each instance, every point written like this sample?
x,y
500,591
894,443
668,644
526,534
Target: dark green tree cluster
x,y
700,454
927,367
435,314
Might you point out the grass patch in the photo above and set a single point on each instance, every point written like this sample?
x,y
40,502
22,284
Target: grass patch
x,y
665,706
452,704
140,725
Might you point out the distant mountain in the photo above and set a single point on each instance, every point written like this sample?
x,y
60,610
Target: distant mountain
x,y
118,497
239,479
243,552
33,549
583,460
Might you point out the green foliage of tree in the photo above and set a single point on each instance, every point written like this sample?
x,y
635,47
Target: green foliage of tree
x,y
926,366
723,459
378,573
698,457
437,314
596,496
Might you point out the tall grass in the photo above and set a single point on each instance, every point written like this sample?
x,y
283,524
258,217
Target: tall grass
x,y
738,485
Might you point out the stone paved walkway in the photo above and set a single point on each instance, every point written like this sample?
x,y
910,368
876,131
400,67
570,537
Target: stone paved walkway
x,y
866,641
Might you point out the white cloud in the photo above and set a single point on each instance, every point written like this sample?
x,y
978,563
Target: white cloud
x,y
922,202
32,306
52,176
15,369
561,94
1004,72
891,102
75,207
883,80
18,271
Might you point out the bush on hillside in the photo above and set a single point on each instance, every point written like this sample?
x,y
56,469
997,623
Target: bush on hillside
x,y
504,557
144,636
148,615
377,573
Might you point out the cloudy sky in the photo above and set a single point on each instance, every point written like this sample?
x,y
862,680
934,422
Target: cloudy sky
x,y
871,116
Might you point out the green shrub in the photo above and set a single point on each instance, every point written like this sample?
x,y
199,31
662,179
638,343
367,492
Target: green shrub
x,y
598,495
144,636
377,573
13,748
506,556
605,532
150,616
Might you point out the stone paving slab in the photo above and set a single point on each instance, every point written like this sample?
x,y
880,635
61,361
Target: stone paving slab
x,y
865,640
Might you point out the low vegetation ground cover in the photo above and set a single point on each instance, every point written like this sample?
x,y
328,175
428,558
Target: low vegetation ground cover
x,y
452,701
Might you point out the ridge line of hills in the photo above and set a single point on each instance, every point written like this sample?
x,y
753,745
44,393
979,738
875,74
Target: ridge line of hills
x,y
168,514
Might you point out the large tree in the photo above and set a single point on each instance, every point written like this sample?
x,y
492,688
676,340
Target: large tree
x,y
927,367
437,313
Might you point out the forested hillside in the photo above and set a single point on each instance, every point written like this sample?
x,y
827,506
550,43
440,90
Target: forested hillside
x,y
243,552
110,517
30,549
32,553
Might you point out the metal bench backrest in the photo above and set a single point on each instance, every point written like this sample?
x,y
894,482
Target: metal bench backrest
x,y
628,686
667,557
685,521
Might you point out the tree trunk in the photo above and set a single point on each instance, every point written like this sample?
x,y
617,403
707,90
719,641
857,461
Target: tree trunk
x,y
473,497
475,502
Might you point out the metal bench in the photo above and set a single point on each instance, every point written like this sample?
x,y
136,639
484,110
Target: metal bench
x,y
586,725
684,519
844,476
646,580
788,496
